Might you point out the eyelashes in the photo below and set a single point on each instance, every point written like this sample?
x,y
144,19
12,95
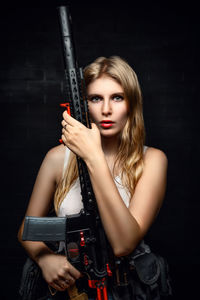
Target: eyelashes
x,y
96,98
118,98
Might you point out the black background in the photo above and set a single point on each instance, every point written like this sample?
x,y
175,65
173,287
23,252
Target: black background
x,y
161,42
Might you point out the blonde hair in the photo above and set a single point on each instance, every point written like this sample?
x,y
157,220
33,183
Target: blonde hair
x,y
130,155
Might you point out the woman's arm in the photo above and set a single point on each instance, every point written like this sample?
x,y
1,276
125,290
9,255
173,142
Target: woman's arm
x,y
42,196
124,227
55,267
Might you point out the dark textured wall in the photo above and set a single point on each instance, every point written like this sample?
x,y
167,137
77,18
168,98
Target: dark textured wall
x,y
161,42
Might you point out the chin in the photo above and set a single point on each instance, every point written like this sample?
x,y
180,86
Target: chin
x,y
109,133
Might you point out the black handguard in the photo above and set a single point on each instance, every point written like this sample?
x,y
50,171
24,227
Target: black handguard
x,y
86,245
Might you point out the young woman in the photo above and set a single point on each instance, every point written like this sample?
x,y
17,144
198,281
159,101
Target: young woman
x,y
128,178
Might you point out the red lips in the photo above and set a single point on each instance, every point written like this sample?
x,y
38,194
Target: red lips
x,y
106,123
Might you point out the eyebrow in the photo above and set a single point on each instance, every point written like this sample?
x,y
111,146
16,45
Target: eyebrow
x,y
99,95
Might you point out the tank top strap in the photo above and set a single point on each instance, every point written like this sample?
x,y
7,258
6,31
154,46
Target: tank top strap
x,y
145,149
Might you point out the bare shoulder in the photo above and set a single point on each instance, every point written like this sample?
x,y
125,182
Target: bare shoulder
x,y
56,153
55,160
155,157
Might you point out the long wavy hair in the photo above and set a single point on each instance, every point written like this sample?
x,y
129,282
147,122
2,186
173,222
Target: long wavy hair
x,y
130,155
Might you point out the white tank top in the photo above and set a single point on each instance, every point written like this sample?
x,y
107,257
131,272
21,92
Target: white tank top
x,y
72,203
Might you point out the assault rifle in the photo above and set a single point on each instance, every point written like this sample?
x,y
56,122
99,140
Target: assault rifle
x,y
85,242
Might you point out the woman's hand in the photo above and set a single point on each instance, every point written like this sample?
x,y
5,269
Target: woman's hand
x,y
57,271
83,141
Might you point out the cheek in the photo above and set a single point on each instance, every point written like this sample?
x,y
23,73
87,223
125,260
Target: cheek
x,y
123,114
124,119
92,112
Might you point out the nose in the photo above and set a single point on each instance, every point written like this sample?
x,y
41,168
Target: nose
x,y
106,107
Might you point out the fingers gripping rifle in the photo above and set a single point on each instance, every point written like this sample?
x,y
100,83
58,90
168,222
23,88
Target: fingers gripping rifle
x,y
83,235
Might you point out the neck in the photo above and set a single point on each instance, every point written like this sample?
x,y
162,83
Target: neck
x,y
110,148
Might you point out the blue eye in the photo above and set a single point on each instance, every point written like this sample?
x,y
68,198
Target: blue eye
x,y
95,99
118,98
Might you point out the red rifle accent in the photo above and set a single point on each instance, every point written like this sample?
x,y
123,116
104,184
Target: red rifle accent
x,y
82,242
108,270
67,106
86,262
100,285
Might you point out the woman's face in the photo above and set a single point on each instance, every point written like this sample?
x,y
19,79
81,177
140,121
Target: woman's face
x,y
107,105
